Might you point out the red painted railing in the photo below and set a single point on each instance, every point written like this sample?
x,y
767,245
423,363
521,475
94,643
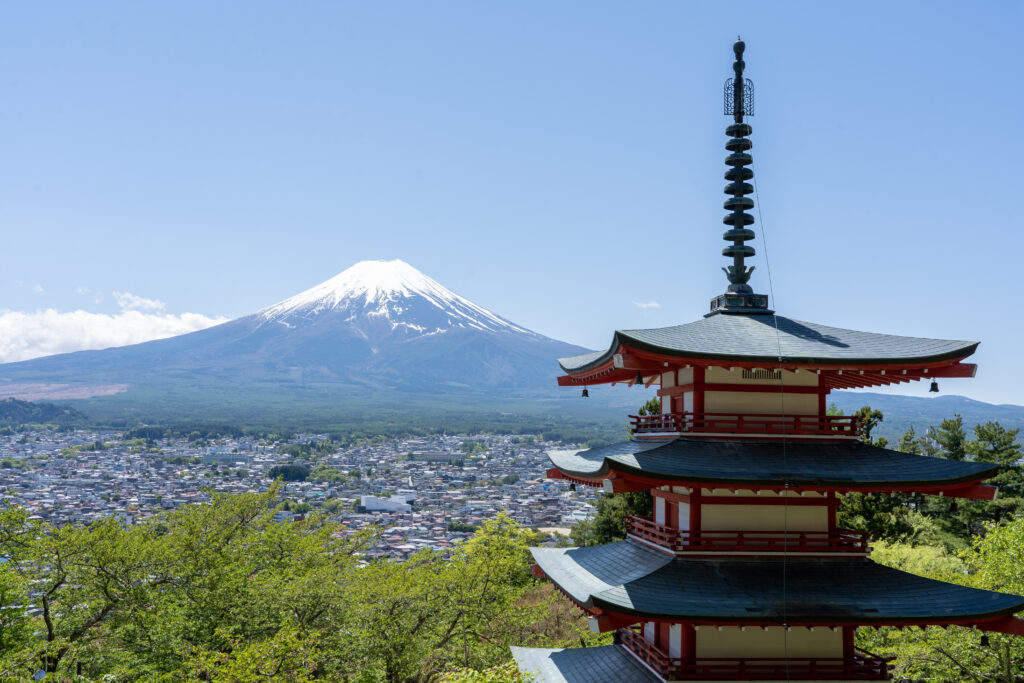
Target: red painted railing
x,y
680,541
864,665
747,423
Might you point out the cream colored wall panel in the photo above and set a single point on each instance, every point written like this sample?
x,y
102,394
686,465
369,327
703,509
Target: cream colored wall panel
x,y
760,403
773,642
763,518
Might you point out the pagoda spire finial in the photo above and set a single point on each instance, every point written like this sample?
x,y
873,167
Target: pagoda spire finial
x,y
739,102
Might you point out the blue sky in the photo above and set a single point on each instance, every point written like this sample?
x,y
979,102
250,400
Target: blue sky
x,y
558,163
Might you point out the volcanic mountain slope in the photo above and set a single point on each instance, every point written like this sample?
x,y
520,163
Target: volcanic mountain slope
x,y
380,326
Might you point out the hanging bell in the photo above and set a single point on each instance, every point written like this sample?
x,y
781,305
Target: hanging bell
x,y
984,640
639,378
586,393
934,388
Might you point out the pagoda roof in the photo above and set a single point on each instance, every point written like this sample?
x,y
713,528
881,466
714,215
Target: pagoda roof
x,y
752,338
750,463
605,664
630,579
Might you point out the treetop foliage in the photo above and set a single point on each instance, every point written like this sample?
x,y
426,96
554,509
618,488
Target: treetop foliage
x,y
221,592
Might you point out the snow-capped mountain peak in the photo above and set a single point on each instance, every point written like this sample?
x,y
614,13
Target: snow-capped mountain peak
x,y
388,292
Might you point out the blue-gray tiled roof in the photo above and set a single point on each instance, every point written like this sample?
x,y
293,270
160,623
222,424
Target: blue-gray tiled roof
x,y
753,338
760,590
606,664
798,463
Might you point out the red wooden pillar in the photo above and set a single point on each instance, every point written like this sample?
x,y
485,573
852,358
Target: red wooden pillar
x,y
661,635
688,646
698,390
848,650
831,504
695,499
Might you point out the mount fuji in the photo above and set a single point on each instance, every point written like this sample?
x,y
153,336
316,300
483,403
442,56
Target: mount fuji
x,y
380,328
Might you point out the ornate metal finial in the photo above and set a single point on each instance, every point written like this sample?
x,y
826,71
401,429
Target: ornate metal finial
x,y
739,102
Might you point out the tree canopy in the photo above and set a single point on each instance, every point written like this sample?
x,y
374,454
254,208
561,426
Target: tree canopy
x,y
219,591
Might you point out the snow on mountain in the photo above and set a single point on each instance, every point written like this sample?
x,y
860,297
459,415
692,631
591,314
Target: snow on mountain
x,y
379,328
388,293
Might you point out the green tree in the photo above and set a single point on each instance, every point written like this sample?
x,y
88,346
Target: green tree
x,y
609,524
290,472
950,438
993,562
411,621
868,418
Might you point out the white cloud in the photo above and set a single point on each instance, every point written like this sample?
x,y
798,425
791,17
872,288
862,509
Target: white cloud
x,y
647,304
94,295
38,289
30,335
131,302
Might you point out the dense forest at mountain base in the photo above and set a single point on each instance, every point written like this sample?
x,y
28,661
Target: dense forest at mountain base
x,y
14,412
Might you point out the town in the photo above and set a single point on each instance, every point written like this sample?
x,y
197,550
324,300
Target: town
x,y
425,492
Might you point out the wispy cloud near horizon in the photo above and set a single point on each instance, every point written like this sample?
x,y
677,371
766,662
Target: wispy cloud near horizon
x,y
647,304
132,302
24,336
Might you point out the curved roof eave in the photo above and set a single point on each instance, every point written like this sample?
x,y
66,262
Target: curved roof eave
x,y
756,341
770,463
627,578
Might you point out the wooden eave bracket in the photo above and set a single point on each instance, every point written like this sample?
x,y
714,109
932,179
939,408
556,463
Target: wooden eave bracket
x,y
602,622
555,473
1012,625
615,482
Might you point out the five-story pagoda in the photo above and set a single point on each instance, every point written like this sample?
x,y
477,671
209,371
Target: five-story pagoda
x,y
742,573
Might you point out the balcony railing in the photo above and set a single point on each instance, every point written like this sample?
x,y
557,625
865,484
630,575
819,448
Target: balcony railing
x,y
864,666
746,424
681,541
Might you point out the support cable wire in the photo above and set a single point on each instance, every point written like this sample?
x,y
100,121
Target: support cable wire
x,y
782,410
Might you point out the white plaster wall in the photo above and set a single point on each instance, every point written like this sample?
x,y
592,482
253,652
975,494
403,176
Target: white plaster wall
x,y
684,516
675,640
659,510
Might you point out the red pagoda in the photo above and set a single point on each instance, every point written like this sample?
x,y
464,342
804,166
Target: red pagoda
x,y
742,573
